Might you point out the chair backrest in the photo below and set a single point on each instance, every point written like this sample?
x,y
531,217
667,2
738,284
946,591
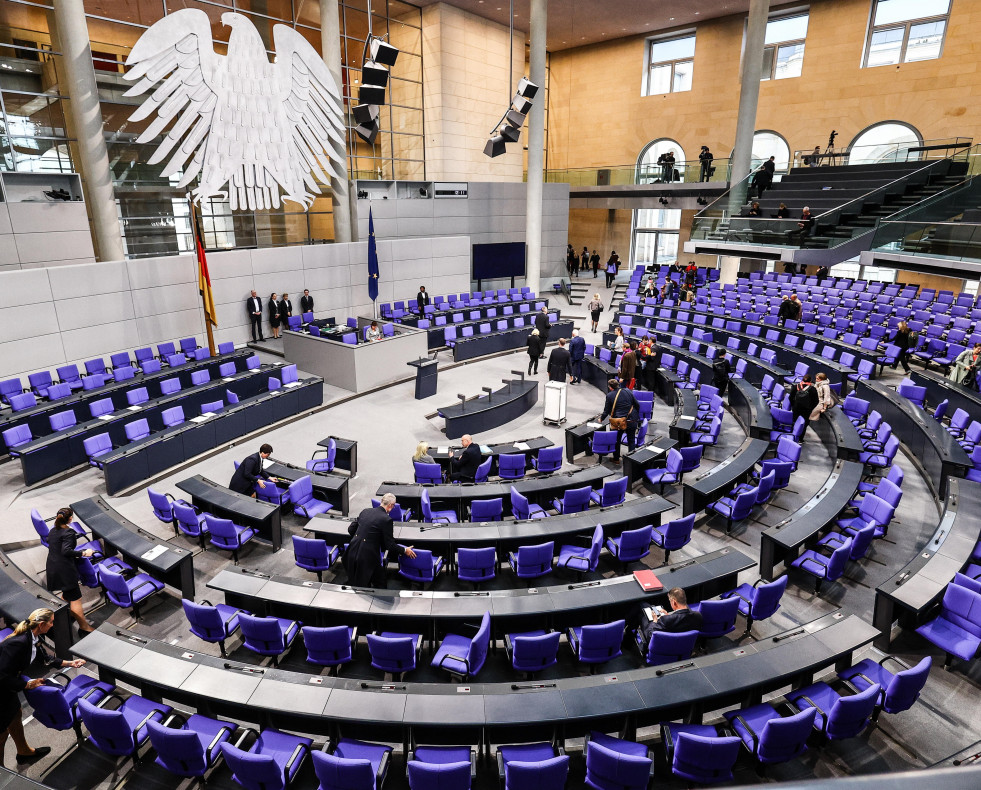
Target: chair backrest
x,y
701,759
172,416
179,751
905,687
99,407
170,386
535,559
262,634
785,737
850,714
483,471
532,653
108,729
392,654
288,374
511,465
16,436
254,771
476,564
666,646
161,505
328,646
97,445
549,459
718,617
212,407
150,366
614,492
550,774
204,620
601,642
137,396
59,421
59,391
136,430
427,474
614,769
486,509
301,491
576,500
310,553
634,540
50,706
691,457
766,598
343,773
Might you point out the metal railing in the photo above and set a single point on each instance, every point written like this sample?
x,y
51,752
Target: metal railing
x,y
632,175
939,148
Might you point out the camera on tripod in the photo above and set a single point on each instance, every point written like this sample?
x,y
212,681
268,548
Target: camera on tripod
x,y
831,138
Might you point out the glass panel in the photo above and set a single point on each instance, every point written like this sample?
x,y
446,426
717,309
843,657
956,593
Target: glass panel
x,y
879,143
885,46
34,116
786,29
682,75
660,81
138,12
37,155
767,72
648,168
667,247
889,11
673,49
790,61
278,9
658,218
925,41
767,144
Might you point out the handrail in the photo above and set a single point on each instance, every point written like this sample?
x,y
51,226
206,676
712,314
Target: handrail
x,y
888,150
634,174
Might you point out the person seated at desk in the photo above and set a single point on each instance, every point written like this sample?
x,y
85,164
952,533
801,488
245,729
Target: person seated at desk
x,y
250,472
421,455
755,210
373,333
464,468
679,618
371,532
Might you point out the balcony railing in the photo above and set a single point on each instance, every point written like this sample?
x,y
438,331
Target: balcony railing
x,y
627,175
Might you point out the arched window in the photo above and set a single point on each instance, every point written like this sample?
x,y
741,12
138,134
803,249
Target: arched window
x,y
648,171
883,142
767,144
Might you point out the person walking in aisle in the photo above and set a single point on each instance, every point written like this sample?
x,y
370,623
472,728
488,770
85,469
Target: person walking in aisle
x,y
611,270
535,349
594,261
559,362
904,339
583,261
62,575
595,307
544,326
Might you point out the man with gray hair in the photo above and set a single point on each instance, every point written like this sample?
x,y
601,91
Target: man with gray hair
x,y
371,531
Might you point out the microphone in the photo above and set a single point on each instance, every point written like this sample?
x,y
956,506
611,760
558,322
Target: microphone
x,y
688,665
520,686
248,670
583,584
787,636
254,572
902,577
682,565
132,638
383,686
475,594
970,759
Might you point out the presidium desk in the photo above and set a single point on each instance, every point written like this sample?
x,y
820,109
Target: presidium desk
x,y
360,367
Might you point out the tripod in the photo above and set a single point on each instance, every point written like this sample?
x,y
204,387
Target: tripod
x,y
830,153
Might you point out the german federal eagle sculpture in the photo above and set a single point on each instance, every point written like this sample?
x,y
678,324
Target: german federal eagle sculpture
x,y
246,128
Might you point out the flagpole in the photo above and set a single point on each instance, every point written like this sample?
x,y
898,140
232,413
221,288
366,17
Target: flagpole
x,y
198,247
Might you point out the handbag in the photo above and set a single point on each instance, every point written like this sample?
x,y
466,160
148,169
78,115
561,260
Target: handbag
x,y
618,423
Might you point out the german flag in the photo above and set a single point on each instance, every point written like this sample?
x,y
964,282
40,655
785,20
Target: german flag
x,y
204,279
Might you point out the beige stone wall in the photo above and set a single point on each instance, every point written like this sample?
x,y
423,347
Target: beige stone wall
x,y
465,84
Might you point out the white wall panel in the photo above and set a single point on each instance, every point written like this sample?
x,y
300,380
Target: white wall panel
x,y
154,272
88,279
89,310
171,326
5,220
37,217
53,246
99,340
20,357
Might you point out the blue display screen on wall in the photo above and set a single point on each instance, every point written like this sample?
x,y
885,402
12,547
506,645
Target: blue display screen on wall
x,y
496,261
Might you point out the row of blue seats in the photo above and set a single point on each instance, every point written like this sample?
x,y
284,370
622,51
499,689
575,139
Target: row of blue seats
x,y
961,424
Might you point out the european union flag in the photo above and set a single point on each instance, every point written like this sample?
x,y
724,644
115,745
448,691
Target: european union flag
x,y
372,259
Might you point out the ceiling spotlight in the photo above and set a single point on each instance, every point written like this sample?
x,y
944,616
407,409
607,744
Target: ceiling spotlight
x,y
371,94
383,52
662,201
365,113
367,131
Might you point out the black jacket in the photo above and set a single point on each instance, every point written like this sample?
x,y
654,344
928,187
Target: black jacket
x,y
804,401
625,403
306,304
535,345
370,532
542,323
902,339
273,309
559,364
465,464
250,470
253,305
577,348
60,567
285,309
674,622
15,660
422,299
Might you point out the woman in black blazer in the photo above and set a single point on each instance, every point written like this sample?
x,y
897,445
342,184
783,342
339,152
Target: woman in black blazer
x,y
17,652
274,314
60,567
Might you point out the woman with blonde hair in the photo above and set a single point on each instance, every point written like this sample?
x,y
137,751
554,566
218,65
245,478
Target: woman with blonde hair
x,y
421,455
535,348
17,652
595,307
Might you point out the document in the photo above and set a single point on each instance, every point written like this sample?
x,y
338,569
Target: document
x,y
153,553
133,408
293,384
202,417
523,446
106,417
443,450
228,378
485,449
594,425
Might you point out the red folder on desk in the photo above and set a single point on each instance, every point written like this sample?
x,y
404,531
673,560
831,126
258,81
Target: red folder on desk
x,y
648,581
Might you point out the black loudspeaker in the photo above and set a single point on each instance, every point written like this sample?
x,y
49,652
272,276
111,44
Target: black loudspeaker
x,y
495,146
520,104
515,119
367,132
365,113
527,88
383,53
373,74
371,94
510,133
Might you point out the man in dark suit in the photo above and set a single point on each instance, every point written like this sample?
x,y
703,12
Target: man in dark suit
x,y
285,310
464,468
371,532
679,618
306,302
250,472
559,362
577,352
422,299
253,306
543,326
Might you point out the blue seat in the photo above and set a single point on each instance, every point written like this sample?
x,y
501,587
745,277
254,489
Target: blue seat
x,y
674,535
511,466
352,765
671,473
758,601
574,500
532,562
698,753
549,460
486,509
823,567
579,559
330,647
632,545
304,502
666,647
136,430
532,651
735,509
422,569
603,443
532,766
838,717
97,446
443,767
596,644
718,617
137,396
463,657
617,763
522,510
172,416
325,464
55,705
121,732
899,690
128,593
957,628
16,437
427,474
212,623
691,459
40,383
435,516
394,653
194,748
189,521
271,763
227,535
268,636
483,471
614,492
476,565
314,555
770,737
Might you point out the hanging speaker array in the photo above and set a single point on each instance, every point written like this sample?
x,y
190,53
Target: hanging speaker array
x,y
508,129
375,72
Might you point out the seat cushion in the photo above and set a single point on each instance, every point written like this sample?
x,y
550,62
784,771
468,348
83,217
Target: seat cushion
x,y
950,638
622,746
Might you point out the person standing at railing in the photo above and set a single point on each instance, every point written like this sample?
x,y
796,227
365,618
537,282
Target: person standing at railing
x,y
705,158
666,162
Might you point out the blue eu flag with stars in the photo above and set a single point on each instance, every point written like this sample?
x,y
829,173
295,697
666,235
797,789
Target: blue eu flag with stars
x,y
372,259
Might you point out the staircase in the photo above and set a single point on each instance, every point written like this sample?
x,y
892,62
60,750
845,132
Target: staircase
x,y
580,290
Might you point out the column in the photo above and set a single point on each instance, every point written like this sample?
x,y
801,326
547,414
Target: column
x,y
536,146
83,95
728,269
751,71
330,43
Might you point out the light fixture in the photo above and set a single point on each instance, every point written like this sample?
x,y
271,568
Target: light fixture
x,y
494,146
383,52
374,80
508,129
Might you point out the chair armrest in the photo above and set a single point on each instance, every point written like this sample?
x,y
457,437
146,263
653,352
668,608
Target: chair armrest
x,y
139,586
297,754
383,767
146,718
824,716
463,660
175,716
897,659
59,675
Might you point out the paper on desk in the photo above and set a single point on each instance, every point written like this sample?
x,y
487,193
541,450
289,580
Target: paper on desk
x,y
443,450
133,408
266,463
228,378
521,446
105,417
153,553
202,417
594,425
485,449
292,384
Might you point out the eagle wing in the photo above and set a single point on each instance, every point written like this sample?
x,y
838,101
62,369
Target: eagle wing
x,y
312,105
178,54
